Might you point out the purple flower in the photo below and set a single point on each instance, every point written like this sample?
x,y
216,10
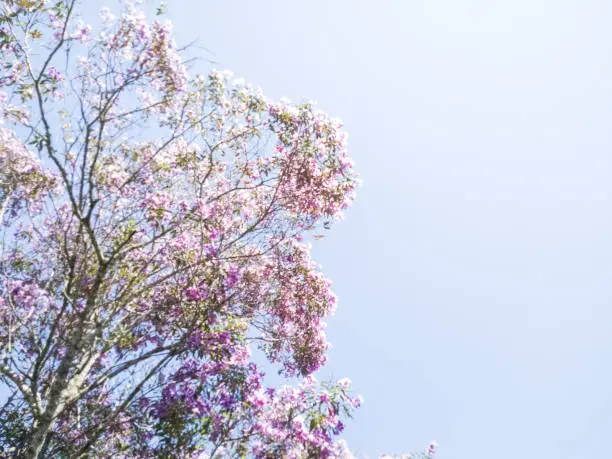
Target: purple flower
x,y
82,32
431,449
232,278
196,294
54,74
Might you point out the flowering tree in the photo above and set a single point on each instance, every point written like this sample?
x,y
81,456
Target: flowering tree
x,y
429,453
152,226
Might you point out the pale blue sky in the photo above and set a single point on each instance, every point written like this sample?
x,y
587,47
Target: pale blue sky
x,y
474,269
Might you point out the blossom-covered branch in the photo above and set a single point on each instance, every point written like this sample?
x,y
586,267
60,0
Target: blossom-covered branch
x,y
153,226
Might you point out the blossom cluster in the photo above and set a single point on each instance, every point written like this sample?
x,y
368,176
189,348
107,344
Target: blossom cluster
x,y
22,178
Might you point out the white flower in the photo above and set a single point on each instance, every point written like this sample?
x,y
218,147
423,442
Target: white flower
x,y
106,15
431,448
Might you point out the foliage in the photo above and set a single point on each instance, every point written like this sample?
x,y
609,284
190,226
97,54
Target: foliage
x,y
152,233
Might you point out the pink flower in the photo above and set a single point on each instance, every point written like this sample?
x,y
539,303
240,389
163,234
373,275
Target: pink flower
x,y
54,74
82,32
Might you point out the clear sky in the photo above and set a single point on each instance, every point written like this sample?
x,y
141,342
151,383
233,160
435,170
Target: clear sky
x,y
474,271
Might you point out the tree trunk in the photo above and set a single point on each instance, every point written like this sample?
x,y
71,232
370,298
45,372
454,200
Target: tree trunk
x,y
59,393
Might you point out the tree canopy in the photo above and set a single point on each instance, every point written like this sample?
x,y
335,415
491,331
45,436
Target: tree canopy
x,y
153,225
